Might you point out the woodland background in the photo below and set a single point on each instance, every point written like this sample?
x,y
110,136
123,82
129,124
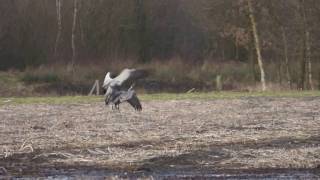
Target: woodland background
x,y
62,46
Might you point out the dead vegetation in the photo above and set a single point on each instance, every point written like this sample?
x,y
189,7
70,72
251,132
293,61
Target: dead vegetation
x,y
180,135
173,75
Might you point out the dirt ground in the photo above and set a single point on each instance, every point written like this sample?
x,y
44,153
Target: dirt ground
x,y
177,135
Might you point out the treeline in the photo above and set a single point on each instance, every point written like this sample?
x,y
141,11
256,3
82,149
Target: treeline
x,y
74,32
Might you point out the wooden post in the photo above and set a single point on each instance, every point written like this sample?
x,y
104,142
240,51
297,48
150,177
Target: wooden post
x,y
218,83
191,90
95,86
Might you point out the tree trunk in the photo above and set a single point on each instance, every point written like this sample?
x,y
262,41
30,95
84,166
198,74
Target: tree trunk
x,y
237,48
307,47
73,36
257,45
142,31
286,58
308,59
252,61
280,73
223,54
303,71
58,8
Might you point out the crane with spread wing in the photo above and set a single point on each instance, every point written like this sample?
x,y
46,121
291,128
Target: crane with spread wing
x,y
114,88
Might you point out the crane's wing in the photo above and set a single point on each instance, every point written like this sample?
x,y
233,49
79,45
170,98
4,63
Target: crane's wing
x,y
131,97
107,81
134,102
125,77
128,75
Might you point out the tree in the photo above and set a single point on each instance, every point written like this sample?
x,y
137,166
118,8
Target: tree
x,y
279,21
307,46
143,49
73,34
257,44
58,9
306,64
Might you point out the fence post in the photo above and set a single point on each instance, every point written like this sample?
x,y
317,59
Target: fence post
x,y
98,88
218,83
95,86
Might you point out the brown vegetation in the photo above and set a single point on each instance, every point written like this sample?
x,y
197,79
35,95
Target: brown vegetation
x,y
190,33
172,76
177,135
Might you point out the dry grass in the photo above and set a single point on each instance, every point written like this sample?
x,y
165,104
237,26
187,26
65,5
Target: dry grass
x,y
174,75
243,133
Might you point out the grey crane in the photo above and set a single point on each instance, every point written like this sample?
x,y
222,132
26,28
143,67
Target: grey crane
x,y
113,86
125,96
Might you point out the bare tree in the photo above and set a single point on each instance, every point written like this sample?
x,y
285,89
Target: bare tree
x,y
257,44
306,65
308,59
307,46
278,19
142,30
73,35
285,49
58,9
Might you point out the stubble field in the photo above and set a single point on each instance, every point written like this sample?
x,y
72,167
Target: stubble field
x,y
232,135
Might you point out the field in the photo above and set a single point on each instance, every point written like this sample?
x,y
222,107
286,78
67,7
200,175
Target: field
x,y
198,133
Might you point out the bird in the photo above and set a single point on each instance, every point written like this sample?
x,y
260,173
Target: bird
x,y
114,92
128,96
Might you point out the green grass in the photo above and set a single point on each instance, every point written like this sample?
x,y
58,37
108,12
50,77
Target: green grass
x,y
50,100
228,94
160,96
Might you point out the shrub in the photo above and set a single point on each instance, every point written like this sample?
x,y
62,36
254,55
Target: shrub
x,y
39,78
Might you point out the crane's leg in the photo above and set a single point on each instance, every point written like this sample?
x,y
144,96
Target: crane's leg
x,y
107,100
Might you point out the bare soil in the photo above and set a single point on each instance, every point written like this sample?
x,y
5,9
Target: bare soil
x,y
222,135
